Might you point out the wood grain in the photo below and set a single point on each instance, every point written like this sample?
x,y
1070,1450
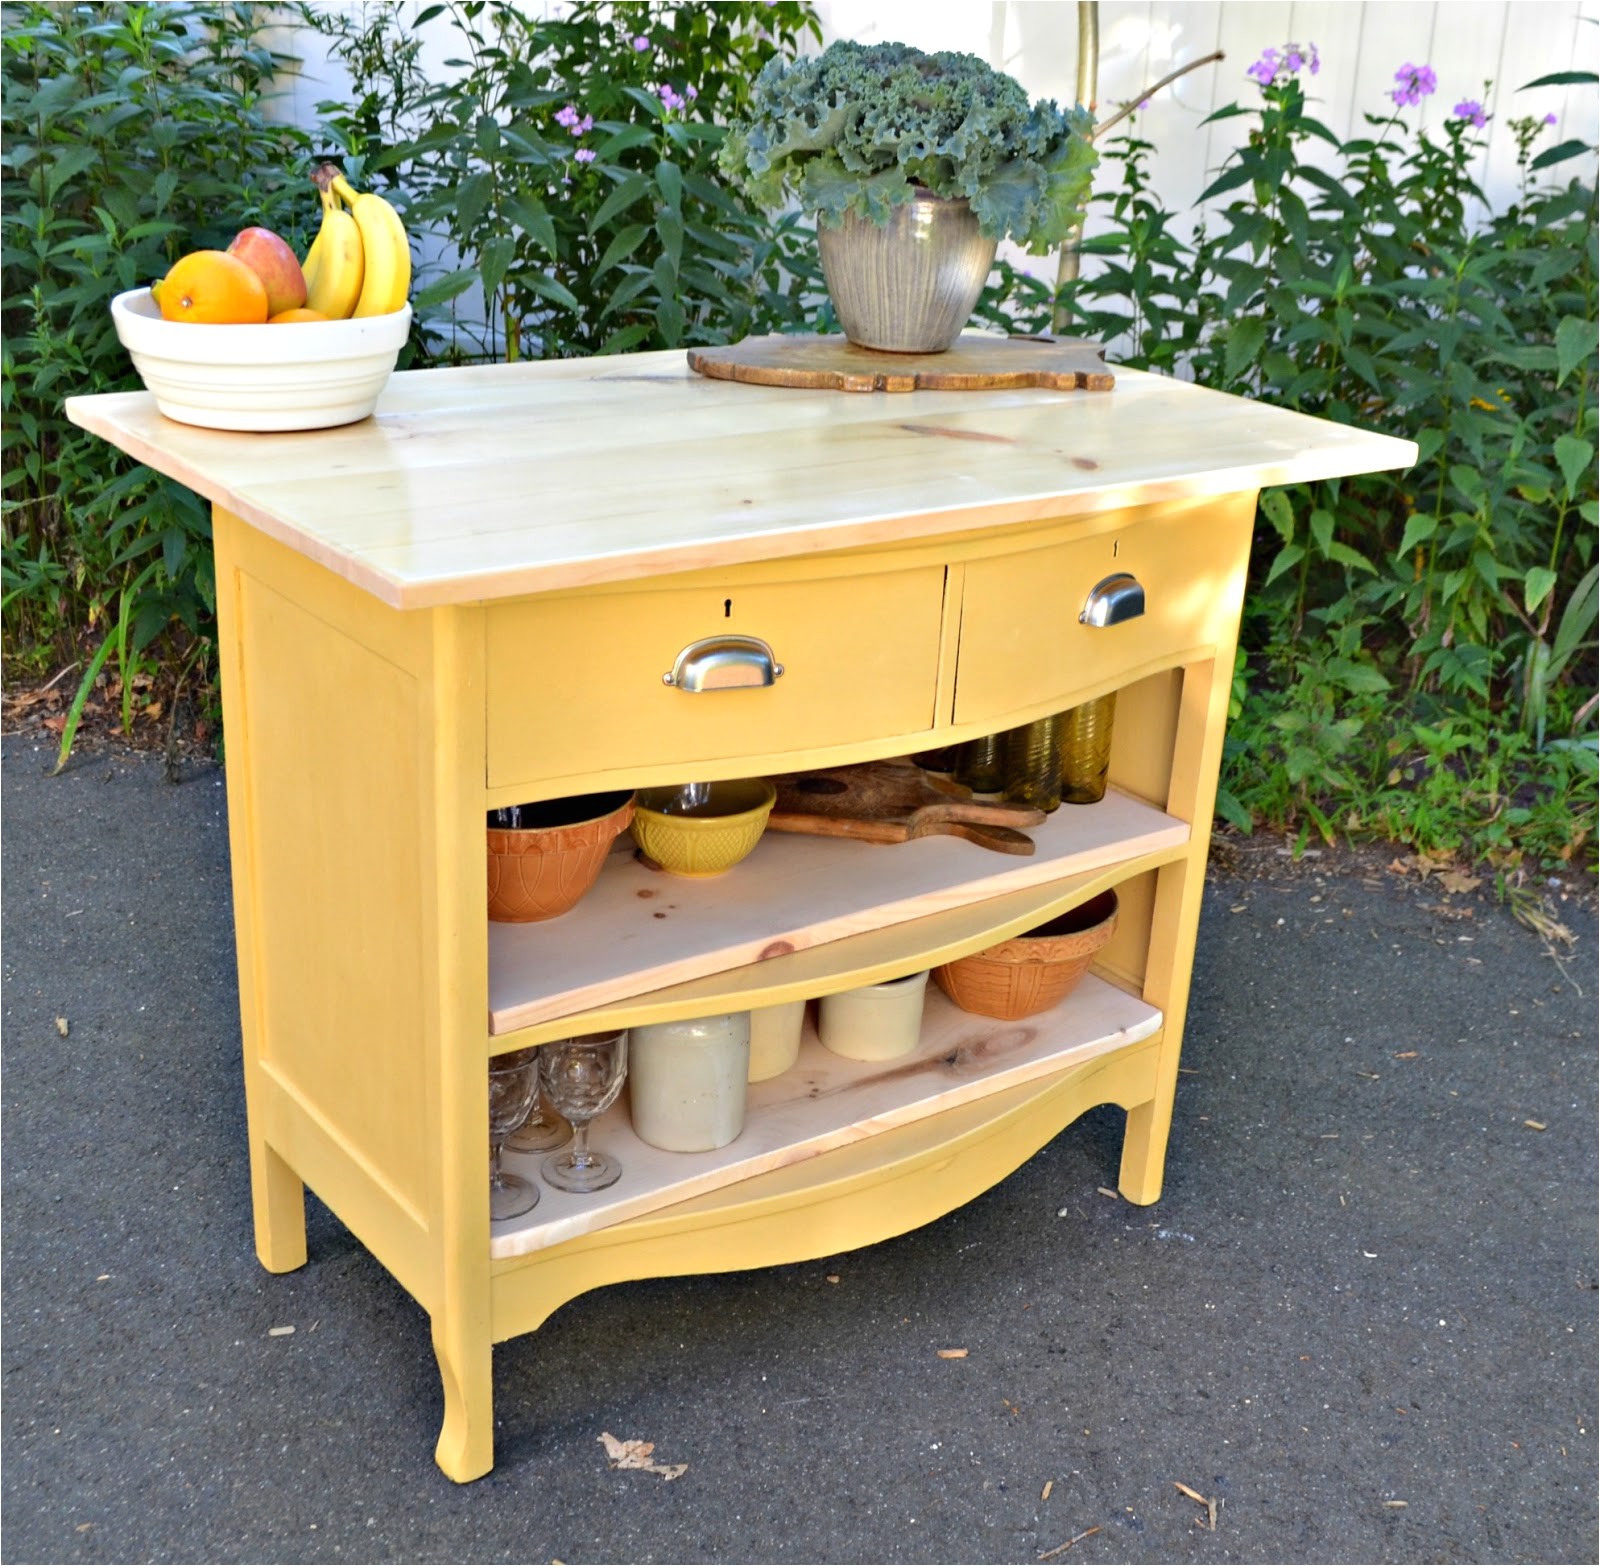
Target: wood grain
x,y
824,1101
495,481
974,362
639,930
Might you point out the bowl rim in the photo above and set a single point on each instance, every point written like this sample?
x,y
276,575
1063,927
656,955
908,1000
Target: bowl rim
x,y
625,801
362,328
764,786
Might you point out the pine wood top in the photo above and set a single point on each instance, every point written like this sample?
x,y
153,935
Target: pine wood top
x,y
501,480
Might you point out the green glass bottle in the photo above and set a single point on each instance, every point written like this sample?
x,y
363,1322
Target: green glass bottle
x,y
1032,758
1086,750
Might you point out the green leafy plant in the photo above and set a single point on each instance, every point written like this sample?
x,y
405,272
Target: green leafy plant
x,y
859,127
1413,639
132,132
565,175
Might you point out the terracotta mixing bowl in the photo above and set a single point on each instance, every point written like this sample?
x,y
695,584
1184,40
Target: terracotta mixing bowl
x,y
1033,972
542,868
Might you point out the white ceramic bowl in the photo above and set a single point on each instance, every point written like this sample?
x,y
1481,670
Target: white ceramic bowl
x,y
305,375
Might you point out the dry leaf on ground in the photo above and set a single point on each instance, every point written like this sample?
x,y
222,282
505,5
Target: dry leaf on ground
x,y
636,1454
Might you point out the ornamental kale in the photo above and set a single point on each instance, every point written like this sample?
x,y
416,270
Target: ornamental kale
x,y
859,127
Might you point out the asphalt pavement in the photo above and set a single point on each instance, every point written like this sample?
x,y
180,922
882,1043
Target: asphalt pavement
x,y
1360,1325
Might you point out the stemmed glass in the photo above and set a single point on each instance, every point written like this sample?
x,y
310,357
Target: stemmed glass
x,y
542,1130
581,1077
513,1083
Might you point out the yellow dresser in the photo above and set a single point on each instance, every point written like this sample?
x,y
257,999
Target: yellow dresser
x,y
479,596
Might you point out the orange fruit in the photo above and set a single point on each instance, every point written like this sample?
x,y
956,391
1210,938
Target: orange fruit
x,y
301,313
212,287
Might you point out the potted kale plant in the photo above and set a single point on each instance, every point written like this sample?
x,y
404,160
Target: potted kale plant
x,y
916,166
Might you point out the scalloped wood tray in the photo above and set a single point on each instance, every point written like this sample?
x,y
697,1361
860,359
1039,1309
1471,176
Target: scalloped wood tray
x,y
976,361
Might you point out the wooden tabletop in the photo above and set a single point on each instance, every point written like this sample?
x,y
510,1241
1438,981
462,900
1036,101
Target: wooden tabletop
x,y
499,480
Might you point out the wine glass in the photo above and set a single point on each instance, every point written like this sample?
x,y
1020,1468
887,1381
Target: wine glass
x,y
581,1077
513,1082
543,1130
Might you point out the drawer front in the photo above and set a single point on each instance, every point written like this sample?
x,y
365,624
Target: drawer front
x,y
1023,644
575,681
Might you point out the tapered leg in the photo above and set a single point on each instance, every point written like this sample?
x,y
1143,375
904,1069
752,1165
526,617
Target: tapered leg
x,y
1144,1151
279,1199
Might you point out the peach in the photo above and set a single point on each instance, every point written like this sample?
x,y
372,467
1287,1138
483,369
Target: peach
x,y
271,259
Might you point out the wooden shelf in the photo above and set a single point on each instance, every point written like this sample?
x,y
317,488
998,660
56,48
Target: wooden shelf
x,y
639,931
825,1102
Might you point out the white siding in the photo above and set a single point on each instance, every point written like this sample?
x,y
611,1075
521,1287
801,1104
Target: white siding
x,y
1361,44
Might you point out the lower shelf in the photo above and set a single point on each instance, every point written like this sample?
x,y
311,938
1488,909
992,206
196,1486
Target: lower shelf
x,y
825,1102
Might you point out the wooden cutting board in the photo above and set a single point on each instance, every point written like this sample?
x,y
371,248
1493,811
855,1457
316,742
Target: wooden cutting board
x,y
976,361
894,802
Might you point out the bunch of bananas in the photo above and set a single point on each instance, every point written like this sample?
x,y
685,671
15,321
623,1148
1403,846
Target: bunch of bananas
x,y
360,261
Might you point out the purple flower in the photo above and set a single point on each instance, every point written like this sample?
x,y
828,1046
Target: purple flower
x,y
670,96
1471,110
691,94
1266,68
584,155
1277,65
1549,119
641,44
567,116
1416,83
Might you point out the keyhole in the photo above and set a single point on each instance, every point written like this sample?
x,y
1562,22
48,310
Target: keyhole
x,y
727,608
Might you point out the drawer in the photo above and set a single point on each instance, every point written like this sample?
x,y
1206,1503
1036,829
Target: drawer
x,y
1022,642
575,681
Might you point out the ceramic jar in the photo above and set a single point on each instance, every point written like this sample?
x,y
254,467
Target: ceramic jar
x,y
775,1038
686,1081
876,1022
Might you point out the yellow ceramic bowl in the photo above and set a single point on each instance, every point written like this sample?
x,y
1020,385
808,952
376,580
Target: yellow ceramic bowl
x,y
707,839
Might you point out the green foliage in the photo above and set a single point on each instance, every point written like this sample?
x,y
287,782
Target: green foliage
x,y
132,133
568,172
1412,638
854,129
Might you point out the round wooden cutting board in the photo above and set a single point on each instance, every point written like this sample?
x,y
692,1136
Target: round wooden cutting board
x,y
977,361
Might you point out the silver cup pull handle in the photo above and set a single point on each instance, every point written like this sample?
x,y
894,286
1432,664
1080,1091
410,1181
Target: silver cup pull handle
x,y
723,663
1113,600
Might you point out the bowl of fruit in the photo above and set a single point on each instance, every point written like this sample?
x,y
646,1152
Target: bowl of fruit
x,y
252,338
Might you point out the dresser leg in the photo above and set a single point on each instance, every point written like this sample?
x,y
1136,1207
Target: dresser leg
x,y
278,1197
1144,1152
466,1439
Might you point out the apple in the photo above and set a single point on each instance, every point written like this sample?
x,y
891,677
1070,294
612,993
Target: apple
x,y
272,260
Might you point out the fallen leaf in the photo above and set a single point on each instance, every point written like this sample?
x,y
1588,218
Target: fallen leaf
x,y
61,1026
952,1353
636,1454
1049,1485
1459,881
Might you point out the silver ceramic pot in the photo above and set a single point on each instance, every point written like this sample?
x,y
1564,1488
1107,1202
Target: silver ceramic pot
x,y
908,285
